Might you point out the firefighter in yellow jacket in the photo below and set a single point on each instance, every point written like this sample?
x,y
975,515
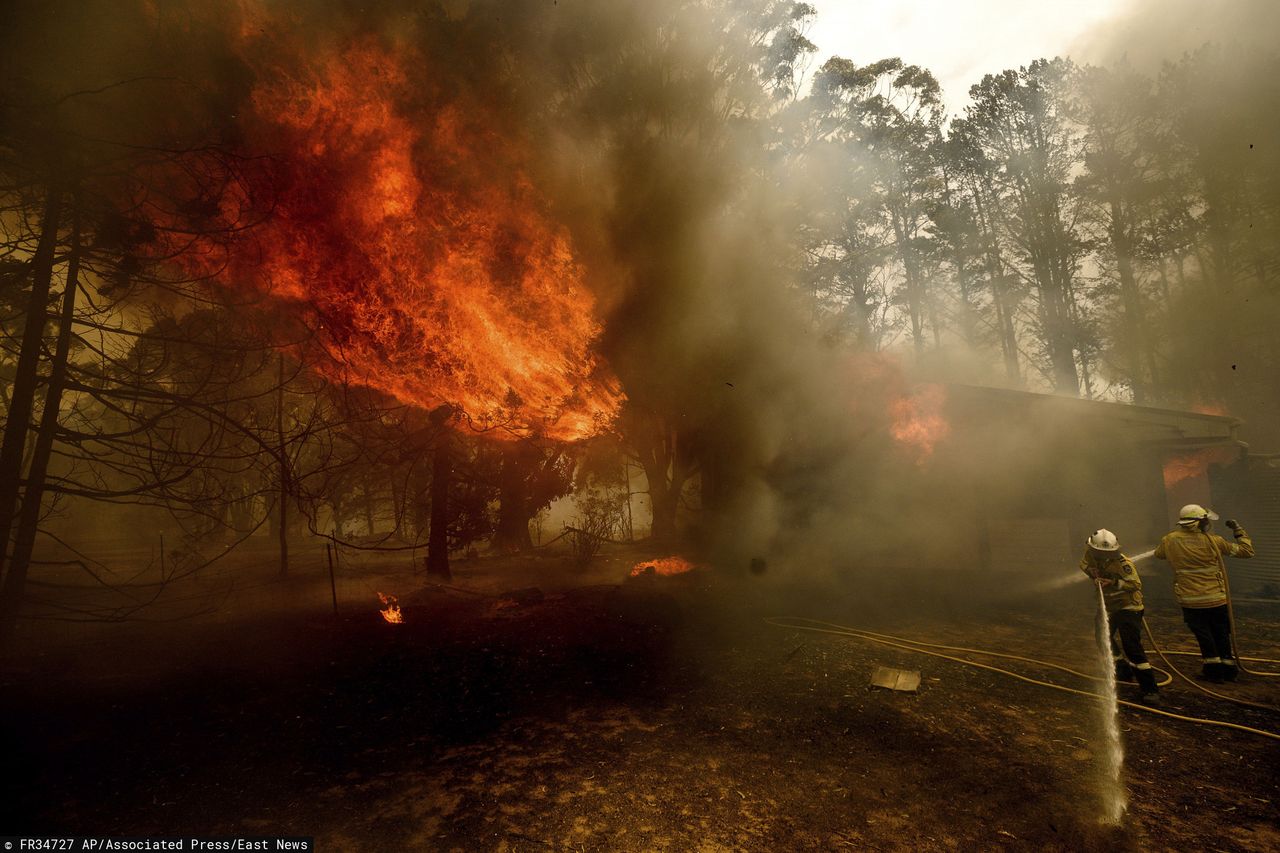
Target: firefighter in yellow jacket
x,y
1122,590
1200,584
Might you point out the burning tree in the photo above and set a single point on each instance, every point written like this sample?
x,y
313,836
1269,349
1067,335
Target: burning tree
x,y
346,207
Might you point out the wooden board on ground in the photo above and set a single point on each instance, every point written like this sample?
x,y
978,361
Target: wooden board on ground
x,y
904,680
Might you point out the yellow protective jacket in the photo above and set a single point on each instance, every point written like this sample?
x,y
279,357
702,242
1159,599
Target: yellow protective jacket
x,y
1126,592
1199,574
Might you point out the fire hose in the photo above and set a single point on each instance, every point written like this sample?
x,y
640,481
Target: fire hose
x,y
1231,618
1245,702
1240,661
816,625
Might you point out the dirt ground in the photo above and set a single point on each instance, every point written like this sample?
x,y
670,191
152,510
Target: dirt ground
x,y
658,714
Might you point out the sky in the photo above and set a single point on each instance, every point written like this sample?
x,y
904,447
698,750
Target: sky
x,y
958,40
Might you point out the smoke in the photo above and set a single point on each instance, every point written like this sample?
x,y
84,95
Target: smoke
x,y
1214,65
647,133
643,125
1150,33
632,122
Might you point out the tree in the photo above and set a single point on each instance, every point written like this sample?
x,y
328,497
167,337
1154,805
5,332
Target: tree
x,y
1116,111
1018,122
533,473
667,455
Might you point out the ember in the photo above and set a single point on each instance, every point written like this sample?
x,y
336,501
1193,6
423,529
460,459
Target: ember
x,y
665,567
391,609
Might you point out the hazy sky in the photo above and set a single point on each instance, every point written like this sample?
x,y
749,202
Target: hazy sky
x,y
958,40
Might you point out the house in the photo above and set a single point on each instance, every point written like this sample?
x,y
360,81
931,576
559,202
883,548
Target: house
x,y
1038,472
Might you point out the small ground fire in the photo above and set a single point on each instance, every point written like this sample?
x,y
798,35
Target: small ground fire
x,y
662,567
391,609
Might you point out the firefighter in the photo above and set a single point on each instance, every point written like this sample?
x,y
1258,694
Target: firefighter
x,y
1122,590
1200,584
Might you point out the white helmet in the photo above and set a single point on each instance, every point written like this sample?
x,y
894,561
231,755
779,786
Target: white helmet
x,y
1194,514
1103,540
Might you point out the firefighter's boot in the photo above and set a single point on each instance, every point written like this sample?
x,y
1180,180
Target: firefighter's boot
x,y
1229,670
1147,684
1211,672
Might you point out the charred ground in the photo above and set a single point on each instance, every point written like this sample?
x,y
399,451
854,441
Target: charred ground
x,y
651,714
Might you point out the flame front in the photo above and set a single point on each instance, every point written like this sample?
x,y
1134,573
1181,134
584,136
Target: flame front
x,y
391,609
665,567
403,222
918,423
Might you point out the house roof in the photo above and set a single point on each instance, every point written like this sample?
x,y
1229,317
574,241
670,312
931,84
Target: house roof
x,y
1146,423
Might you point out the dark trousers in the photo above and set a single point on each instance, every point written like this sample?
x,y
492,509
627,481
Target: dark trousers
x,y
1212,627
1127,625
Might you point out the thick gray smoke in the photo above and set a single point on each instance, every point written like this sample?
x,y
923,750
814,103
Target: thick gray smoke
x,y
674,200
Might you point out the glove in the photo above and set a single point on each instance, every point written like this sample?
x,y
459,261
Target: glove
x,y
1232,523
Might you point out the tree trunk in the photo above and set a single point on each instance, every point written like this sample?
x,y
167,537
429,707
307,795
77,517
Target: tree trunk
x,y
366,492
397,507
964,283
1131,298
658,448
512,533
419,499
1008,332
666,486
12,592
282,502
999,292
910,266
438,539
663,505
441,473
626,477
1055,316
22,397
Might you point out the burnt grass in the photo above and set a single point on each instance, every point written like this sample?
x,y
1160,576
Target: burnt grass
x,y
661,714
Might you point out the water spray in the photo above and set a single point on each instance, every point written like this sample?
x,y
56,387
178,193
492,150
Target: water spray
x,y
1113,793
1075,576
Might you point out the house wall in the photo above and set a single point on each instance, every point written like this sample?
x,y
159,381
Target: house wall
x,y
1048,471
1250,492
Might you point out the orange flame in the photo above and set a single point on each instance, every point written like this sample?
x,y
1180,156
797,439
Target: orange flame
x,y
1185,466
917,421
402,221
391,609
665,567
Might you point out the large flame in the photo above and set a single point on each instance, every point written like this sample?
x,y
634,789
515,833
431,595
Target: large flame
x,y
405,224
918,423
